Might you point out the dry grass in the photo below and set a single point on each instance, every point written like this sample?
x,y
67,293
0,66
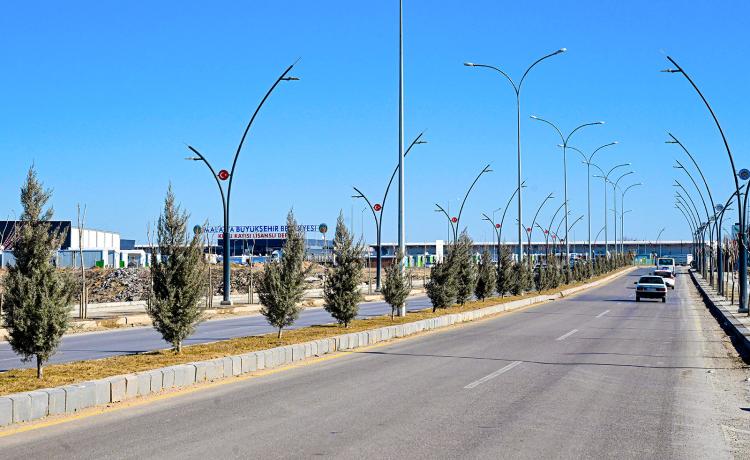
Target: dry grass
x,y
20,380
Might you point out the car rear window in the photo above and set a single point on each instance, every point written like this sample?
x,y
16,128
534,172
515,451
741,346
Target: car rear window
x,y
666,261
651,280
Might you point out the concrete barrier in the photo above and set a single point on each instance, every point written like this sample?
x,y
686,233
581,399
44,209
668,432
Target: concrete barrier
x,y
55,401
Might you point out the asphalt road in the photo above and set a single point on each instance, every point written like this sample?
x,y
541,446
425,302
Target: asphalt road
x,y
595,375
98,345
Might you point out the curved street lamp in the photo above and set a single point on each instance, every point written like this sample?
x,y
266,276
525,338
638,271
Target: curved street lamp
x,y
518,117
741,210
530,230
458,219
378,208
587,162
606,181
565,169
622,216
223,176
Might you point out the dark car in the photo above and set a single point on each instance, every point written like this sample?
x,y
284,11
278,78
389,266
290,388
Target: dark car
x,y
651,287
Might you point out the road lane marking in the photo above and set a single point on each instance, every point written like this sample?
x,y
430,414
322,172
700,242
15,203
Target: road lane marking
x,y
602,313
568,334
493,375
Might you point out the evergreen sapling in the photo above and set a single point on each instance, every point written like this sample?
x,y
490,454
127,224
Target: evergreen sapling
x,y
341,292
178,283
395,289
282,283
36,310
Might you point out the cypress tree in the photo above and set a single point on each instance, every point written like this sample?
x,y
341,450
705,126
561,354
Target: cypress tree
x,y
504,279
341,292
540,279
466,270
175,307
37,300
553,273
442,287
485,285
395,288
282,283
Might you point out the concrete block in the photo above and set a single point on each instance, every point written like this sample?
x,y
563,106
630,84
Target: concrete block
x,y
322,346
308,350
6,411
156,380
200,371
279,355
249,362
39,404
298,352
72,398
167,376
102,391
236,365
218,368
55,401
260,357
288,354
343,343
144,383
210,366
87,394
189,374
179,375
314,348
227,366
21,407
131,386
118,389
332,345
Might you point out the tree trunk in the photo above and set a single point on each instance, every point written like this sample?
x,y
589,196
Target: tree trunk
x,y
280,329
39,370
178,347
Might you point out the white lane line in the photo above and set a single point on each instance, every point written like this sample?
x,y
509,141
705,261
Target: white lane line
x,y
568,334
602,313
494,374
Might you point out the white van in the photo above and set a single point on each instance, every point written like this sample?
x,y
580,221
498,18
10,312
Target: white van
x,y
665,263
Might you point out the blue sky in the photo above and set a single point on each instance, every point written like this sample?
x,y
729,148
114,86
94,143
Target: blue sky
x,y
101,96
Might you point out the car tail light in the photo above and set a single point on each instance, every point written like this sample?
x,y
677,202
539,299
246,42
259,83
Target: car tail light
x,y
641,288
662,289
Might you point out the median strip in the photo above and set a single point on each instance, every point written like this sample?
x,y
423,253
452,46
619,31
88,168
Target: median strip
x,y
68,398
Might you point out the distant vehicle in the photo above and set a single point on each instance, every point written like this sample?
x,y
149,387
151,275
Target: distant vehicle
x,y
684,259
651,287
665,263
668,277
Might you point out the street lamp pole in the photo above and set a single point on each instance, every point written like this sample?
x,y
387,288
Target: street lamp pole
x,y
741,211
587,162
622,221
458,219
230,176
614,197
380,208
565,174
657,240
518,118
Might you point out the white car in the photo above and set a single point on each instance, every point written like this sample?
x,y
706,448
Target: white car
x,y
651,287
668,277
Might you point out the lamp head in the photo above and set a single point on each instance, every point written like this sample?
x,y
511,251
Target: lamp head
x,y
421,142
468,64
192,158
600,123
290,78
561,50
532,116
671,71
